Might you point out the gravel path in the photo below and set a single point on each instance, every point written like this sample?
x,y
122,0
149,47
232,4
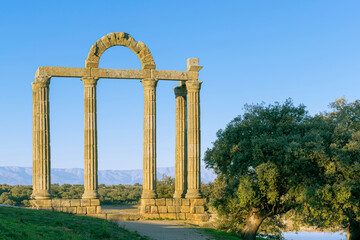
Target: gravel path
x,y
165,230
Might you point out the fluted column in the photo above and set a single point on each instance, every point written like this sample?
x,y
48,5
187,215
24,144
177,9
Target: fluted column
x,y
41,138
180,142
90,139
193,89
149,145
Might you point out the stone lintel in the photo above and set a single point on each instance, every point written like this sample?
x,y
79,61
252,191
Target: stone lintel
x,y
63,72
112,73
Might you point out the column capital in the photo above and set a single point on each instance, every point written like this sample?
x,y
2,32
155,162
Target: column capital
x,y
180,91
41,81
149,83
89,81
193,86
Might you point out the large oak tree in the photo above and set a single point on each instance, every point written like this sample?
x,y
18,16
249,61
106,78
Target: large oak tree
x,y
264,160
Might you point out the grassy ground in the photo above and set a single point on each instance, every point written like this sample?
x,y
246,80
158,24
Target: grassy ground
x,y
33,224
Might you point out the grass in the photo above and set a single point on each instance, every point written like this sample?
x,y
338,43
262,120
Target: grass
x,y
31,224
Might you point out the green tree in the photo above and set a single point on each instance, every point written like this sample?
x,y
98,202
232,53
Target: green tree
x,y
333,201
165,187
263,160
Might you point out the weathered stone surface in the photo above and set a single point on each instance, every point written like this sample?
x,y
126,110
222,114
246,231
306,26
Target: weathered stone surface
x,y
65,202
90,140
91,210
198,202
95,202
102,215
187,139
41,138
171,209
75,202
169,202
177,201
181,216
193,183
168,215
62,72
98,209
56,203
81,210
65,209
85,202
199,209
152,215
41,203
185,202
201,217
180,142
149,139
185,209
72,210
163,209
57,209
150,202
154,209
160,202
122,39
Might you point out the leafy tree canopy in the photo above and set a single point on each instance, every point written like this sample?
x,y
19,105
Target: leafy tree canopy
x,y
333,201
264,159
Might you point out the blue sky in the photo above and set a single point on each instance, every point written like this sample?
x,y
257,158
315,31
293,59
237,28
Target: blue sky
x,y
252,51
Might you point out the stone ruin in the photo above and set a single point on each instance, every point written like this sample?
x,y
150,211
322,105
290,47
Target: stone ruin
x,y
187,202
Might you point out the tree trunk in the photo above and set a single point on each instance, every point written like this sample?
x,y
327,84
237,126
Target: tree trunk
x,y
353,233
252,224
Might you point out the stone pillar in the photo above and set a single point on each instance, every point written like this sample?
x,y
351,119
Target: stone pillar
x,y
180,142
193,89
90,139
149,145
41,138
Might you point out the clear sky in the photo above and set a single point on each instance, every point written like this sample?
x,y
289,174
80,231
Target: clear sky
x,y
252,51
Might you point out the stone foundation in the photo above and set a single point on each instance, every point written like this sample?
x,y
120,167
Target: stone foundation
x,y
165,208
174,208
90,207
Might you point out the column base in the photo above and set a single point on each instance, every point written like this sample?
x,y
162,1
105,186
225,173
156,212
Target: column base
x,y
41,195
193,194
149,194
90,195
178,194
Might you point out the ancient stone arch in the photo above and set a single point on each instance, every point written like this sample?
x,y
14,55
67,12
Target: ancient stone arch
x,y
187,197
119,39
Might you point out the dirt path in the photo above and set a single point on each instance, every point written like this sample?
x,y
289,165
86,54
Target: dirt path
x,y
165,230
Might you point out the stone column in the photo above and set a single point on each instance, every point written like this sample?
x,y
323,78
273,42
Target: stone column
x,y
193,89
41,138
149,145
90,139
180,142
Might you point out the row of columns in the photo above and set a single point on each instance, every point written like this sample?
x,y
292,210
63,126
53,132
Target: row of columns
x,y
187,159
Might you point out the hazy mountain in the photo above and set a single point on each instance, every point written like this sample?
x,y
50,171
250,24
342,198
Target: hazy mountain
x,y
23,175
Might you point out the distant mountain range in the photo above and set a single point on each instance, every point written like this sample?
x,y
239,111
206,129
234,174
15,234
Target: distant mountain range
x,y
23,175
